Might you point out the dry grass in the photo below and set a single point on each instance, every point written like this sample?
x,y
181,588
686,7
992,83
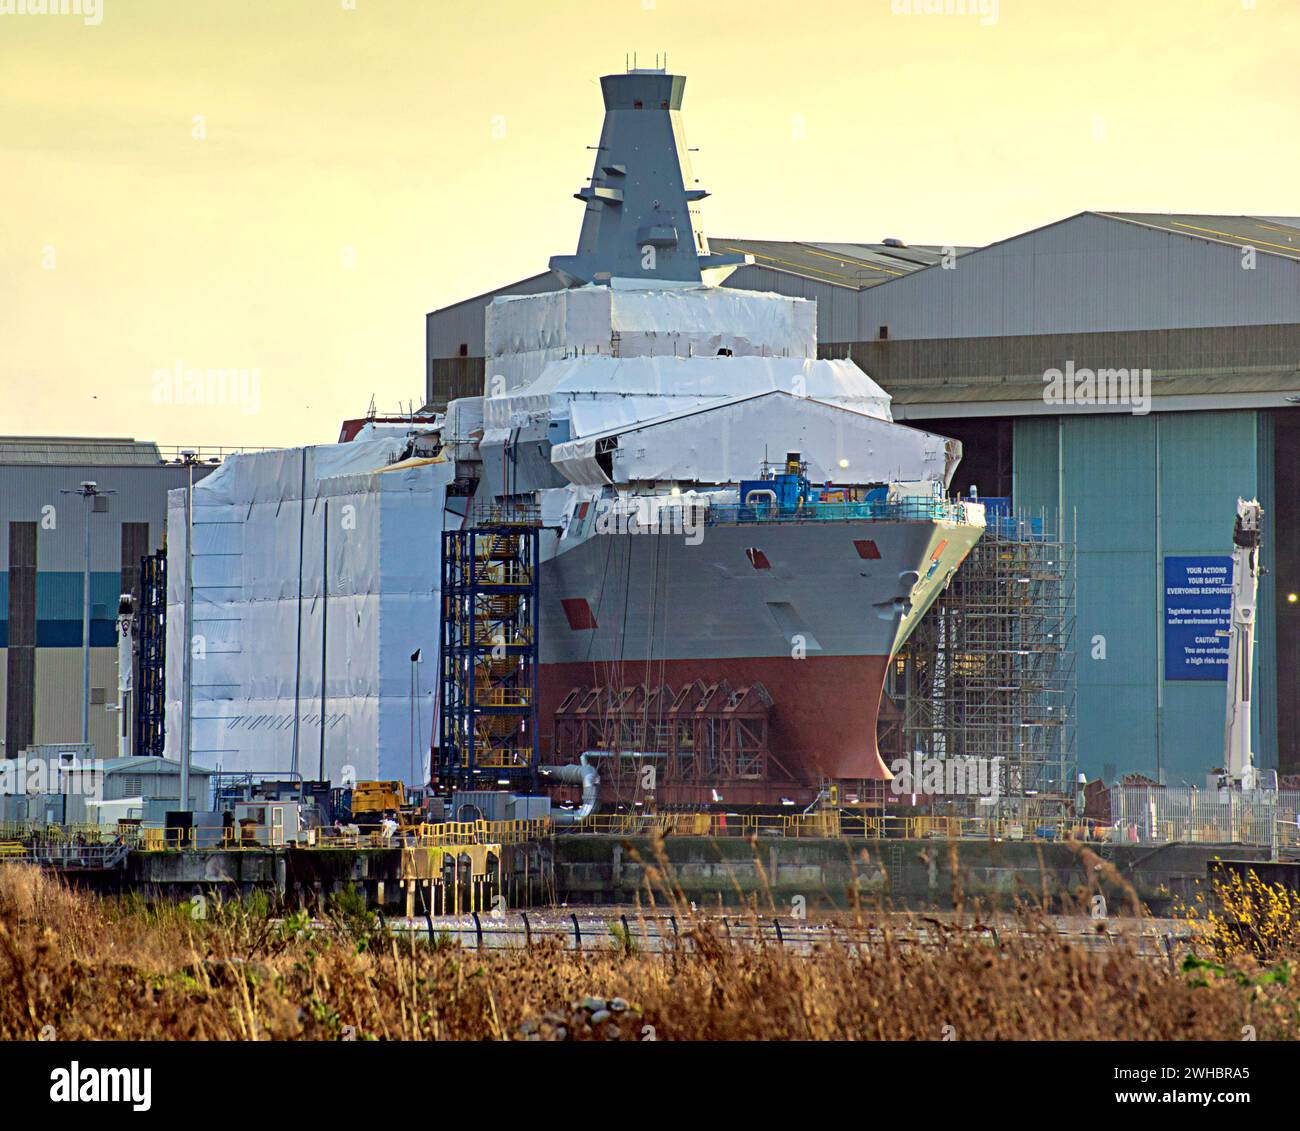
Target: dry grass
x,y
117,970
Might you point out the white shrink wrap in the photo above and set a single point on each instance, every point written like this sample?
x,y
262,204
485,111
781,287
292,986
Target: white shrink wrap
x,y
250,659
526,333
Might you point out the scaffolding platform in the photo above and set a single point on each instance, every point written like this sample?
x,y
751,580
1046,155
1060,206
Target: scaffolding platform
x,y
151,656
989,672
489,627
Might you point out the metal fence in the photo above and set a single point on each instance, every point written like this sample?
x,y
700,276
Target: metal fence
x,y
1140,815
1164,815
200,453
615,929
55,845
901,510
837,824
67,856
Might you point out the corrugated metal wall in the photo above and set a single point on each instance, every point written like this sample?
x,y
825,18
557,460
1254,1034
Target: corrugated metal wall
x,y
1267,701
47,708
1285,560
1088,274
1142,488
1042,292
19,639
968,367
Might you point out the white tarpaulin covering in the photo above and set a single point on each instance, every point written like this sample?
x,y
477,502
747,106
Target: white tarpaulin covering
x,y
599,393
591,416
378,429
728,441
463,428
382,522
576,461
525,333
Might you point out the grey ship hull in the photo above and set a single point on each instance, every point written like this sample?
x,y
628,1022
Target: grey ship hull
x,y
793,605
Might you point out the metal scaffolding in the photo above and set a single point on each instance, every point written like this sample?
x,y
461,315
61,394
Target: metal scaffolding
x,y
989,673
151,656
703,741
489,650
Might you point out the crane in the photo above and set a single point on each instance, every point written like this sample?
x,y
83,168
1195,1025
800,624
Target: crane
x,y
1246,569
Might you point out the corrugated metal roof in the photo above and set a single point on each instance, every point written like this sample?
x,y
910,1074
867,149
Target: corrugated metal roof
x,y
139,494
1266,234
93,451
1182,385
149,764
855,265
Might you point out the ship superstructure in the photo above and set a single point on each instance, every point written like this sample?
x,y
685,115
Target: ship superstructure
x,y
734,537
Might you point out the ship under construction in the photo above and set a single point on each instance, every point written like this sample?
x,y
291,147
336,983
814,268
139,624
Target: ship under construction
x,y
689,548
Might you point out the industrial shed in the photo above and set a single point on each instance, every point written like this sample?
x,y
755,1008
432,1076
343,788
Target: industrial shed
x,y
42,561
1211,305
962,338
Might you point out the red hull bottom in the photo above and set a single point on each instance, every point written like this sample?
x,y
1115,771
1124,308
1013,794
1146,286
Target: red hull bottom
x,y
823,721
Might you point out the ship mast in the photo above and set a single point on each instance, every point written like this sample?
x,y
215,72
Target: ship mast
x,y
642,224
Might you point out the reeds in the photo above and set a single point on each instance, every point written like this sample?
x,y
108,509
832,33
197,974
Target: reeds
x,y
80,967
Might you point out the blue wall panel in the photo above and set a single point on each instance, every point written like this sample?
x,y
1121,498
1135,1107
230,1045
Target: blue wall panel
x,y
1207,460
1109,493
1265,737
1139,488
58,609
1033,467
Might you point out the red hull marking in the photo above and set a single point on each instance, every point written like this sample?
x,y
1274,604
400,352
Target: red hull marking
x,y
579,613
823,718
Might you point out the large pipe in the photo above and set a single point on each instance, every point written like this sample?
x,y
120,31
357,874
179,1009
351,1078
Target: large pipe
x,y
580,774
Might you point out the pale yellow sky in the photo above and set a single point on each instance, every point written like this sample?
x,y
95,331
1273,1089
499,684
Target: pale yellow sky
x,y
287,186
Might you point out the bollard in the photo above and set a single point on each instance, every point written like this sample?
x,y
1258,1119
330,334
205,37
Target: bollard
x,y
577,932
528,931
478,929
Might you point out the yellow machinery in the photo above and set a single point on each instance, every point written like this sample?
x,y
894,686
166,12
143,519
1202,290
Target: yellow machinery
x,y
372,799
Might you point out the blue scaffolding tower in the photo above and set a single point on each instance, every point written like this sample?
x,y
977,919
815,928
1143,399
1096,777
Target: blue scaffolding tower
x,y
488,664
